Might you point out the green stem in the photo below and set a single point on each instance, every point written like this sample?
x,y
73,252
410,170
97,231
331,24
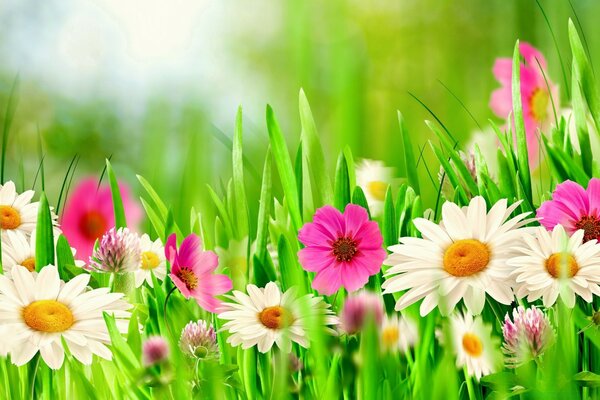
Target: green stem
x,y
35,369
165,311
470,388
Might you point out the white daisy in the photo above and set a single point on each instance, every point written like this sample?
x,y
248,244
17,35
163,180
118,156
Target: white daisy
x,y
152,261
17,212
266,316
41,310
552,263
17,249
374,178
464,257
474,345
398,333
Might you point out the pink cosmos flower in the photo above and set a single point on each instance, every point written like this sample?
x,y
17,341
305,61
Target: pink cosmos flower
x,y
88,214
535,97
343,249
192,271
574,208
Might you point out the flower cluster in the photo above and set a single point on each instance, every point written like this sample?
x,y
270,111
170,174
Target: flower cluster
x,y
527,336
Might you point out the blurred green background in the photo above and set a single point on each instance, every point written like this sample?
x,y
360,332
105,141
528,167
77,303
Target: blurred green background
x,y
156,84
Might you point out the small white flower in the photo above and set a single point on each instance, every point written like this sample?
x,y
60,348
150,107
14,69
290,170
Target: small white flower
x,y
374,178
17,212
153,261
464,257
41,311
474,345
398,333
266,316
552,263
18,249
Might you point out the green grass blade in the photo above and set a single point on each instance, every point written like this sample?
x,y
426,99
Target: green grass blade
x,y
241,204
342,184
264,210
119,210
9,114
44,239
409,155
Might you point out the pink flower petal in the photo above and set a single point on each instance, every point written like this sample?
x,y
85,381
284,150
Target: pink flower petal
x,y
369,236
503,70
215,285
530,54
573,196
328,281
501,102
354,277
315,258
331,219
313,234
354,218
188,251
181,286
593,192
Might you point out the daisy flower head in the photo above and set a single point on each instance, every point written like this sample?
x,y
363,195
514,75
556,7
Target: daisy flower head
x,y
152,261
88,214
17,212
526,336
574,208
199,340
535,96
118,251
266,316
374,177
474,345
553,264
343,249
464,257
357,310
41,311
398,333
192,272
18,249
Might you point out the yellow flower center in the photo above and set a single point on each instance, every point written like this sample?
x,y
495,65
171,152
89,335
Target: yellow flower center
x,y
562,265
188,277
472,344
466,257
275,317
150,260
29,263
9,217
390,336
48,316
539,104
377,189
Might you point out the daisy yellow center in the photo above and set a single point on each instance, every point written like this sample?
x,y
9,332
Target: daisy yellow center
x,y
9,217
48,316
466,257
188,277
93,225
275,317
562,265
344,249
377,189
29,263
390,336
150,260
472,344
539,104
591,227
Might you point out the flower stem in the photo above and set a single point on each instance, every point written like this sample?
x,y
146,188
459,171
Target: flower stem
x,y
122,282
469,383
165,311
35,369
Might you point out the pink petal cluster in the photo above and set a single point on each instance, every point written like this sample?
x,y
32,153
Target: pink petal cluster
x,y
527,336
535,97
358,309
343,249
192,272
199,340
88,214
155,350
574,208
119,251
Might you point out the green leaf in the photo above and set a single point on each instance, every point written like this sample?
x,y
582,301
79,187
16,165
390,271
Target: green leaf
x,y
409,156
64,256
342,184
322,191
587,379
292,273
519,122
284,167
389,228
44,239
264,210
120,221
359,198
123,353
222,212
241,204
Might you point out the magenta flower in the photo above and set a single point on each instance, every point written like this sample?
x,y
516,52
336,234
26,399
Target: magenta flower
x,y
574,208
358,308
192,271
88,214
155,350
527,336
535,97
343,249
